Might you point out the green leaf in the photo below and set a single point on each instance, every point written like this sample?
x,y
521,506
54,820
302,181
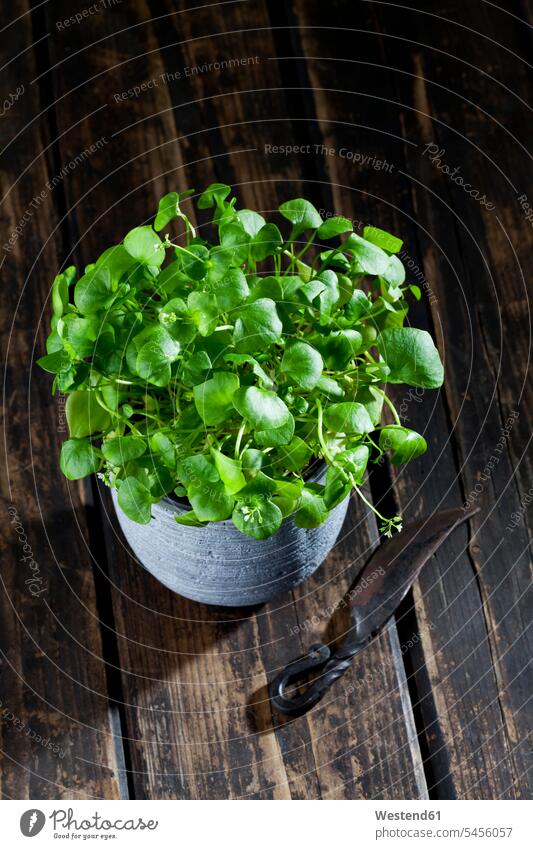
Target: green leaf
x,y
258,519
80,334
394,317
289,488
348,417
372,400
173,310
257,326
160,336
78,459
54,342
337,486
135,500
370,258
54,363
276,436
394,274
290,286
251,221
189,519
60,288
230,471
266,242
167,210
151,353
120,449
231,290
259,485
144,245
118,262
225,212
341,347
355,461
411,356
153,364
252,460
302,363
404,444
197,468
329,294
204,312
257,368
296,455
311,511
216,193
213,399
210,501
330,388
234,242
334,227
66,379
358,306
85,415
162,445
261,408
286,505
192,261
302,215
94,291
335,259
346,288
195,368
267,287
172,279
298,404
382,239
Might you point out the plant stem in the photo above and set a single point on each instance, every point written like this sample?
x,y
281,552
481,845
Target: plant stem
x,y
327,455
374,444
305,247
389,404
181,248
239,440
367,502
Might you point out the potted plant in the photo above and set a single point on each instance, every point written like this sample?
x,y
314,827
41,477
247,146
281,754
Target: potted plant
x,y
230,390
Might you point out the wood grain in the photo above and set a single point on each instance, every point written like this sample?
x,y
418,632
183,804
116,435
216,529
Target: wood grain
x,y
57,732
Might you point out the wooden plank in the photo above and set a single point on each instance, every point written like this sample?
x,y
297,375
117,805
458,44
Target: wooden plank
x,y
194,678
473,738
486,303
56,731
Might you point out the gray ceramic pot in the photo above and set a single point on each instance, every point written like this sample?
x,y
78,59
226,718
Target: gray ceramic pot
x,y
220,565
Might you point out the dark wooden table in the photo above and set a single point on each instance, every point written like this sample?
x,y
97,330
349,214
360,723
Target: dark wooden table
x,y
110,686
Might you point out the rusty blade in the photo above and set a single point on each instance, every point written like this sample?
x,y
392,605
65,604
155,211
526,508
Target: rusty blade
x,y
394,567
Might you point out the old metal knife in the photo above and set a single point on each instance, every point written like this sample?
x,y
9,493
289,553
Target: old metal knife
x,y
380,587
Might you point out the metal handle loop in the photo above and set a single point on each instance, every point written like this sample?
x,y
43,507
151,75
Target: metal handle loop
x,y
318,657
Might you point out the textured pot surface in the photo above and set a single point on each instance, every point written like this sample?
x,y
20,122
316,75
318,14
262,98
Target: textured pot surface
x,y
220,565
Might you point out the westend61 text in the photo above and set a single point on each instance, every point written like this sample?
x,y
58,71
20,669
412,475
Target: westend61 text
x,y
407,815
